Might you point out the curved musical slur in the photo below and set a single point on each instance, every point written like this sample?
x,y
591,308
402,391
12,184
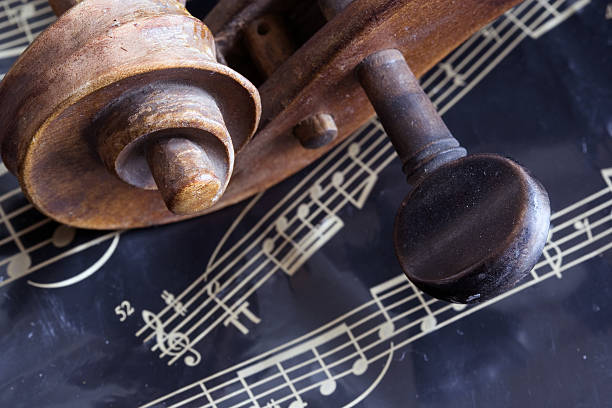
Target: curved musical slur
x,y
471,227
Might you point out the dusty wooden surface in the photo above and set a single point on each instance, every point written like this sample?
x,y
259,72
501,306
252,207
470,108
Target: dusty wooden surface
x,y
470,227
49,105
93,56
320,77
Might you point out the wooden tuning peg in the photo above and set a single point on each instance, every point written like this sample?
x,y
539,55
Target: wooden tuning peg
x,y
471,226
119,99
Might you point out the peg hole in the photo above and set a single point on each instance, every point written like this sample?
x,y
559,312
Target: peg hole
x,y
263,28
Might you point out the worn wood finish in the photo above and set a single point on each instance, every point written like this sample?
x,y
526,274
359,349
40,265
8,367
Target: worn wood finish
x,y
185,174
316,131
320,77
146,115
88,93
268,43
418,133
470,227
61,6
74,69
330,8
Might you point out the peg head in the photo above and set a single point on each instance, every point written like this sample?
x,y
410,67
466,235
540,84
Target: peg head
x,y
472,228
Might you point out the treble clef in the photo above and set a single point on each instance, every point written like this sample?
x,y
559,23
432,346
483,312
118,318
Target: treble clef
x,y
171,344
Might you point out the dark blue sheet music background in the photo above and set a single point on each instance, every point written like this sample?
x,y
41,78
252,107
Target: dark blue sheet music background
x,y
547,104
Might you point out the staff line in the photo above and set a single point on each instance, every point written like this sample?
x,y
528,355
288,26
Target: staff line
x,y
403,329
496,44
494,48
580,203
11,230
26,230
257,226
259,283
485,40
577,232
328,158
417,321
63,255
266,277
283,245
579,246
368,304
504,26
437,312
581,216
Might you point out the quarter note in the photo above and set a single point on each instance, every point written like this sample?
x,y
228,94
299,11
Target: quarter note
x,y
360,365
386,329
584,225
329,385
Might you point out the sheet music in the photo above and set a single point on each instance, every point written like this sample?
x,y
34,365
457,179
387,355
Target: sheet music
x,y
400,314
307,218
177,326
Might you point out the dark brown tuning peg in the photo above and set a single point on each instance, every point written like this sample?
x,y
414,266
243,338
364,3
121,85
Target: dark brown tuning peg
x,y
471,227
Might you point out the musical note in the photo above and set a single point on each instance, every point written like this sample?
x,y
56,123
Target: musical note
x,y
233,313
475,60
338,179
360,365
303,243
172,344
171,301
458,307
247,389
20,16
386,329
234,317
63,236
429,322
450,72
583,225
298,402
18,265
329,385
331,224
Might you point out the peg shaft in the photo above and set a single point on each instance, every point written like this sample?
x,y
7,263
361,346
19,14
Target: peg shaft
x,y
420,137
184,175
471,227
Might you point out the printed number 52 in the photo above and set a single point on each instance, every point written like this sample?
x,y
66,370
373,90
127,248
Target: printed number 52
x,y
124,310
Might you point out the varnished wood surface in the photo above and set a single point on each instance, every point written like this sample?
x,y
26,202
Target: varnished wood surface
x,y
318,78
92,56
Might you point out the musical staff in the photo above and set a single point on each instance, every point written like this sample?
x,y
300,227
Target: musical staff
x,y
33,242
20,22
397,302
29,241
173,344
387,328
397,311
307,218
284,243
